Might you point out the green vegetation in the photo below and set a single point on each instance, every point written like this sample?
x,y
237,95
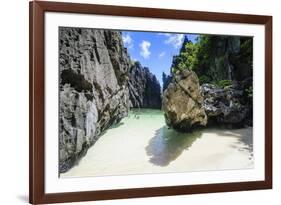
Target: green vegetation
x,y
187,59
224,83
249,92
204,79
216,59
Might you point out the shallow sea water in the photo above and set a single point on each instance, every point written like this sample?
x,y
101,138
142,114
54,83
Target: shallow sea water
x,y
142,143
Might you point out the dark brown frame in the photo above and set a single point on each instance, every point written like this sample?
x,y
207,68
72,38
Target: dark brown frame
x,y
37,95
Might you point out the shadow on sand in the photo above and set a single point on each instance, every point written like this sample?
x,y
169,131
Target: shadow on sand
x,y
168,144
244,137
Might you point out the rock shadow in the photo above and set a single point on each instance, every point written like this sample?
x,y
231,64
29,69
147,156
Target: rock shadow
x,y
243,136
168,144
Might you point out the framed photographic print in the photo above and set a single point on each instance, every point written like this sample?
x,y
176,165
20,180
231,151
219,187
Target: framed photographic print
x,y
140,102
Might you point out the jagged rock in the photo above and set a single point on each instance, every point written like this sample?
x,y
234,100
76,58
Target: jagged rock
x,y
166,79
144,88
94,71
224,105
183,102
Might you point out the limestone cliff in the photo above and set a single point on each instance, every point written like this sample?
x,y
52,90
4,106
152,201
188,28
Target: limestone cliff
x,y
144,88
94,71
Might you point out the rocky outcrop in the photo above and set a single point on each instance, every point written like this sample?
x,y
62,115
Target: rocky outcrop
x,y
144,88
186,104
225,105
94,71
183,102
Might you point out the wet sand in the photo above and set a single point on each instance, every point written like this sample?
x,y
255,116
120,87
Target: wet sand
x,y
141,143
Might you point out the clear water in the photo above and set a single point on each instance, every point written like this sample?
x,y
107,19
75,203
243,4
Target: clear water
x,y
142,143
166,144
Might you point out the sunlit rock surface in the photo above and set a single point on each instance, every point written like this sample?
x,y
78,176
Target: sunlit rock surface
x,y
183,102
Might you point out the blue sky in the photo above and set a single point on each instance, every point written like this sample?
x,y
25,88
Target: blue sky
x,y
154,50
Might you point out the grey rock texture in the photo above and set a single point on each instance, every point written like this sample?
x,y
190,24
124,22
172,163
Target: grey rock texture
x,y
225,105
223,48
94,72
183,102
144,88
186,104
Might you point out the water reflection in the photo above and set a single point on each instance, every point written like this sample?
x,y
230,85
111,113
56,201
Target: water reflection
x,y
168,144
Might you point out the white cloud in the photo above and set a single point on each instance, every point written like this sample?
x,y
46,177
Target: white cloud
x,y
161,55
173,39
127,40
145,52
134,59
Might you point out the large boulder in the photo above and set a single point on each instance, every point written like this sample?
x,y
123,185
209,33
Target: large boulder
x,y
94,71
144,88
225,105
183,102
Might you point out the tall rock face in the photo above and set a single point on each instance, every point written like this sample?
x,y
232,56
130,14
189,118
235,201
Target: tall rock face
x,y
215,58
144,88
94,72
183,102
221,66
226,57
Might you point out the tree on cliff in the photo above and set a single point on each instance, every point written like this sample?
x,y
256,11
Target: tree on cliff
x,y
216,59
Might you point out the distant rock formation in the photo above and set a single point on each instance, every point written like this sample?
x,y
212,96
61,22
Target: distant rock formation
x,y
144,88
94,72
166,79
183,102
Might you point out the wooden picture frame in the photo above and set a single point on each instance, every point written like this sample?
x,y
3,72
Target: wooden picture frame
x,y
37,10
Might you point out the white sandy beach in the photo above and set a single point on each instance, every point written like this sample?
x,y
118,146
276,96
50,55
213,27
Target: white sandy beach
x,y
143,144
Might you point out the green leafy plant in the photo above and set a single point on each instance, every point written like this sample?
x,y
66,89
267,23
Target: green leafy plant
x,y
211,56
249,92
204,79
223,83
